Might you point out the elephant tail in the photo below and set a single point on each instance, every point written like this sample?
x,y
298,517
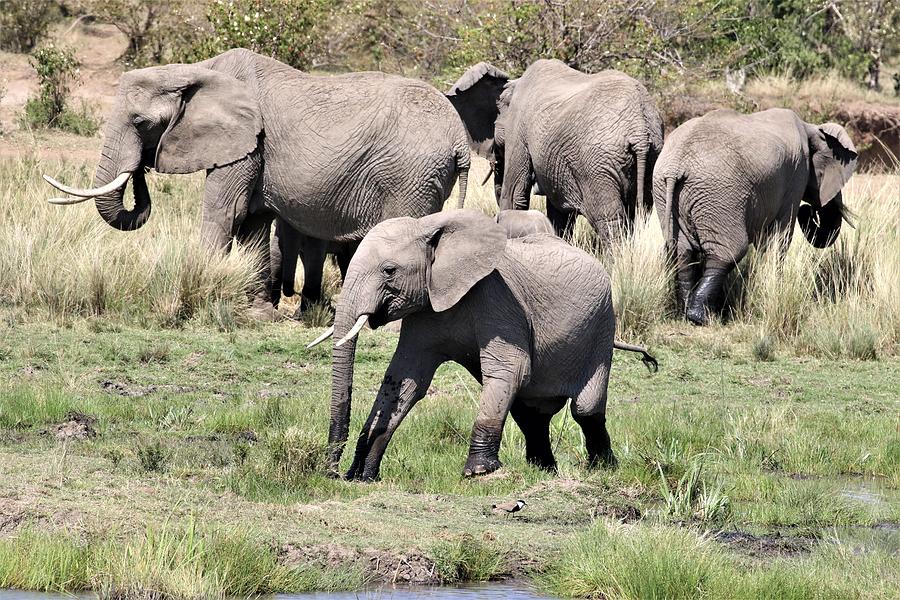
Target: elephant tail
x,y
649,361
670,218
463,185
640,199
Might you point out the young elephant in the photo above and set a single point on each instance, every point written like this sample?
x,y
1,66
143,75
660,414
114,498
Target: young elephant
x,y
726,180
519,223
530,318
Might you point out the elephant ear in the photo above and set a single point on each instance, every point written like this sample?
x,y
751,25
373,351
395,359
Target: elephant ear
x,y
475,96
833,161
466,247
218,123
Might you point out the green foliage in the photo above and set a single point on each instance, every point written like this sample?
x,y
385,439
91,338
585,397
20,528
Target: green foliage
x,y
287,30
57,70
24,22
152,456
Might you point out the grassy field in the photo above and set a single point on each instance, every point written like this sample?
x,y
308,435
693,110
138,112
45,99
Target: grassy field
x,y
155,443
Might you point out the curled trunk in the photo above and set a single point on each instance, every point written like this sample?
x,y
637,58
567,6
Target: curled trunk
x,y
121,153
821,226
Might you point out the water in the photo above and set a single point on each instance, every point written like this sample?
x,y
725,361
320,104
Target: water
x,y
490,591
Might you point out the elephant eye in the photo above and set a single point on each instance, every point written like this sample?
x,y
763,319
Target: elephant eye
x,y
389,270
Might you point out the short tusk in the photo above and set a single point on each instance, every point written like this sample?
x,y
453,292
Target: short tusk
x,y
328,333
488,176
112,186
360,323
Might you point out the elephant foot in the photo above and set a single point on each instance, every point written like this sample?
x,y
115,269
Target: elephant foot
x,y
543,463
707,295
605,460
480,466
698,314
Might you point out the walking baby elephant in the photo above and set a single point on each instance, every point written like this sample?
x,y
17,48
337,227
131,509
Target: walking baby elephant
x,y
726,180
530,318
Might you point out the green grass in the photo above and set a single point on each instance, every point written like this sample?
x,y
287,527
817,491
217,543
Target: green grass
x,y
779,421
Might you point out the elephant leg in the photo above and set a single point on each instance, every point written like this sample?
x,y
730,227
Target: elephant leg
x,y
607,217
254,232
708,295
344,256
563,222
589,411
517,177
227,196
535,426
313,251
687,273
405,383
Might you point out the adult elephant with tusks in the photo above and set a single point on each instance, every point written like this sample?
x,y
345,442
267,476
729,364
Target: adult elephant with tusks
x,y
530,318
588,142
727,180
331,155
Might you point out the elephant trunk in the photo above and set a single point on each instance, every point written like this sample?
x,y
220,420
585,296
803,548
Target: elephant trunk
x,y
821,226
121,154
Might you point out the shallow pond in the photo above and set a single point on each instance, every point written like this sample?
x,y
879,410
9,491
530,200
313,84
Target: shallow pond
x,y
486,592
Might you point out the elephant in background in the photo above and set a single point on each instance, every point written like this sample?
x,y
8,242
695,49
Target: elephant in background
x,y
531,319
286,247
727,180
519,223
331,155
587,141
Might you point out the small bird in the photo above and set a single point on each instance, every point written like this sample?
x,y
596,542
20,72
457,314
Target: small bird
x,y
509,507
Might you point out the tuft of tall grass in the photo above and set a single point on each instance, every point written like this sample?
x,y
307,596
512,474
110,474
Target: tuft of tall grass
x,y
466,558
66,261
180,562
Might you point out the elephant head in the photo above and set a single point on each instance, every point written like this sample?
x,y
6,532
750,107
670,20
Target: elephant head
x,y
832,161
176,119
404,266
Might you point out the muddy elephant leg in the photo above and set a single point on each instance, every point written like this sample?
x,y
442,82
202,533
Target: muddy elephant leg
x,y
709,293
589,411
405,383
563,222
535,426
687,274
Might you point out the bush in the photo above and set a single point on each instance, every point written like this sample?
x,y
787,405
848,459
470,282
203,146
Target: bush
x,y
24,22
287,30
466,559
57,69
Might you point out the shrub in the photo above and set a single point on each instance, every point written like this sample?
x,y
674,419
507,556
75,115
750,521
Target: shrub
x,y
57,70
24,22
152,457
282,29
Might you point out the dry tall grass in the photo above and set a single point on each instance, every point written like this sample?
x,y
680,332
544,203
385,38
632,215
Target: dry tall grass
x,y
843,301
67,261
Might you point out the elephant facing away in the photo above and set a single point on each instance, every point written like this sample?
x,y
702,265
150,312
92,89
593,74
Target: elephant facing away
x,y
529,318
586,141
519,223
727,180
331,155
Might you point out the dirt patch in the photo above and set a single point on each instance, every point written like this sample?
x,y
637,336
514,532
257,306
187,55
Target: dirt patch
x,y
11,516
77,426
379,566
765,546
128,390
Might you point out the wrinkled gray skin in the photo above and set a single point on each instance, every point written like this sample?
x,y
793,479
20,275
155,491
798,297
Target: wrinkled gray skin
x,y
332,155
587,142
519,223
727,180
286,247
529,318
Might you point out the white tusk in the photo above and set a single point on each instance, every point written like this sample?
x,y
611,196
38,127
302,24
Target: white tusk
x,y
360,323
328,333
64,201
112,186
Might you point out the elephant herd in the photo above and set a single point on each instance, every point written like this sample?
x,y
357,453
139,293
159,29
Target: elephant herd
x,y
360,165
